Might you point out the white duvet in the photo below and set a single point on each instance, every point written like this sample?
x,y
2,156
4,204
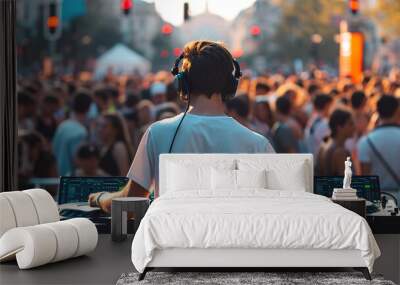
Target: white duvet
x,y
250,219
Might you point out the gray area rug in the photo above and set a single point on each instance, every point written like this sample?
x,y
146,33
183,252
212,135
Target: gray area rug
x,y
228,278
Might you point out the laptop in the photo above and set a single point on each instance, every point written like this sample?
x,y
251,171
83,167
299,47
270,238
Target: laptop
x,y
367,186
74,191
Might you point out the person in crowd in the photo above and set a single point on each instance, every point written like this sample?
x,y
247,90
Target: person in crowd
x,y
34,160
360,111
158,93
317,129
117,150
26,105
103,102
313,90
263,120
239,109
361,114
87,162
131,101
333,153
283,136
262,88
130,115
166,110
71,133
145,114
378,151
209,67
114,97
46,123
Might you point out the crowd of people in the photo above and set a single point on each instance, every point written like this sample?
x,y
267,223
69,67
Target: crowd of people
x,y
72,125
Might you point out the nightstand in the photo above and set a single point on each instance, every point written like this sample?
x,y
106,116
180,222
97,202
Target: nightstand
x,y
119,215
356,205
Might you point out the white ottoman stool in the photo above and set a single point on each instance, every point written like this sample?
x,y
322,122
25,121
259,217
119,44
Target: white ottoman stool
x,y
31,231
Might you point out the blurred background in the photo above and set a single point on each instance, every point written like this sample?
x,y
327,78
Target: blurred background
x,y
266,35
94,74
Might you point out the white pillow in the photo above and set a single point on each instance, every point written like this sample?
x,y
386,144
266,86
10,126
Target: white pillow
x,y
251,178
182,177
223,179
291,181
280,174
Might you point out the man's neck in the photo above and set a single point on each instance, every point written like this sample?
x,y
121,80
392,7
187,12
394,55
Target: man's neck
x,y
282,118
391,121
339,140
81,118
202,105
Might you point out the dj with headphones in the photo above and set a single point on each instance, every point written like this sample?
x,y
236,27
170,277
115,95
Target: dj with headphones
x,y
206,76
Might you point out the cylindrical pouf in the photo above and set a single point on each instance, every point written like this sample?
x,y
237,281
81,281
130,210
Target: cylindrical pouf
x,y
34,246
45,205
87,235
7,218
23,208
67,240
37,245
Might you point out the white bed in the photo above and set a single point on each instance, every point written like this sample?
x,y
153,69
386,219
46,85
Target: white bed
x,y
288,226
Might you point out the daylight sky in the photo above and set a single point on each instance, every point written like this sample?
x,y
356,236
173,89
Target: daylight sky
x,y
172,10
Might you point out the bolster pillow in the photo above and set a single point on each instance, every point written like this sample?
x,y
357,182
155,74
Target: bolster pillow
x,y
26,208
41,244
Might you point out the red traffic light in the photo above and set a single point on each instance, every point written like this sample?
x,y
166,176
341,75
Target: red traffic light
x,y
52,22
126,6
164,53
166,29
177,52
255,30
354,6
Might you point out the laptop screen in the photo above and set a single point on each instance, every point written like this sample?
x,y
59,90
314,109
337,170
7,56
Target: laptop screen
x,y
367,187
77,189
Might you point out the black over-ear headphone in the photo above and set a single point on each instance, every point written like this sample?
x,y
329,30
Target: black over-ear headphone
x,y
183,88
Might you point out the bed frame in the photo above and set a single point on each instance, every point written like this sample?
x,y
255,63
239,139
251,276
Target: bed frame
x,y
248,259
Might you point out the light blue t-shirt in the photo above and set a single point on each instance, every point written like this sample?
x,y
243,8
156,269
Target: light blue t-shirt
x,y
386,140
69,135
197,134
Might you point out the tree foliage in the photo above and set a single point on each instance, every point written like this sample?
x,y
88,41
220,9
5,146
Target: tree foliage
x,y
101,34
300,20
386,14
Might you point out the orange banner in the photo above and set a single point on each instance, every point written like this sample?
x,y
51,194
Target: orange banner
x,y
351,55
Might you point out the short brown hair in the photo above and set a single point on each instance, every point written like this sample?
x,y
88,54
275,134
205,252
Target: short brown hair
x,y
339,117
209,67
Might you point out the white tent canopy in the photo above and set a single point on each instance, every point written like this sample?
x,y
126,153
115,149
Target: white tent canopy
x,y
121,60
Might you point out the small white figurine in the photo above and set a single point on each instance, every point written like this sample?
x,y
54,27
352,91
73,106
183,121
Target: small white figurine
x,y
347,174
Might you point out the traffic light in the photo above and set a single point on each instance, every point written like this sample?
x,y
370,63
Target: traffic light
x,y
126,6
186,15
164,53
166,29
354,6
177,52
255,30
53,20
